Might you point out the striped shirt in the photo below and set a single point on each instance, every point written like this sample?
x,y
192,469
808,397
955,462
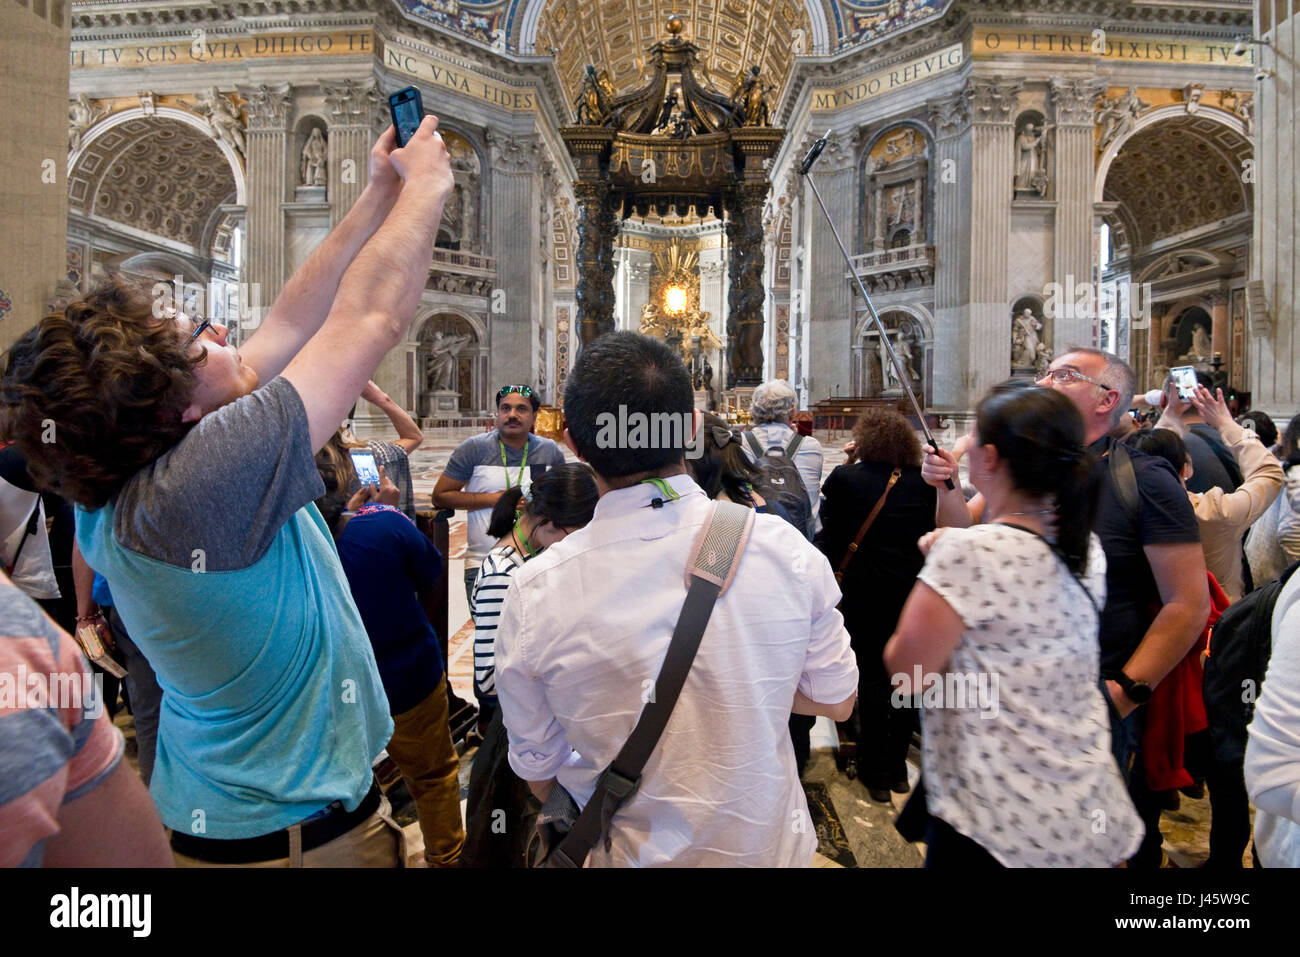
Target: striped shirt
x,y
485,607
56,741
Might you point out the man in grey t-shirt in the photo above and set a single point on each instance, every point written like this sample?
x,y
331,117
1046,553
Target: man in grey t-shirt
x,y
484,466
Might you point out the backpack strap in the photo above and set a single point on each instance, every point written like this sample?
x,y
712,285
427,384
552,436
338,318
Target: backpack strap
x,y
793,446
753,444
1124,479
894,476
711,568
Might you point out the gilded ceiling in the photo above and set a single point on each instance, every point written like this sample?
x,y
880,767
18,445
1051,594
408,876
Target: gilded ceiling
x,y
153,174
614,35
1177,175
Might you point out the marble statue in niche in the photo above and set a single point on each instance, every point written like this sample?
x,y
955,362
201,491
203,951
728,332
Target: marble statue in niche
x,y
441,364
1025,327
1031,161
311,169
1202,348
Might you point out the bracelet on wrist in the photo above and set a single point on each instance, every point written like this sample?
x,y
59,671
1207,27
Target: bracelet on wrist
x,y
87,618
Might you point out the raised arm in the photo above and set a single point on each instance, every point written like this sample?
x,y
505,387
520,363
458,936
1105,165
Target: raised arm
x,y
305,301
409,436
1263,477
377,298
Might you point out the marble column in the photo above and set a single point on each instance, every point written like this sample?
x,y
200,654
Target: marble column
x,y
993,109
350,104
514,188
950,117
830,305
1220,334
268,120
1074,101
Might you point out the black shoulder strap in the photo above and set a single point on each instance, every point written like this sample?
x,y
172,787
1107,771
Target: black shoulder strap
x,y
32,521
1124,479
713,564
793,446
753,444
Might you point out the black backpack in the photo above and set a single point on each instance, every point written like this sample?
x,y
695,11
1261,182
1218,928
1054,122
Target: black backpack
x,y
1240,644
781,481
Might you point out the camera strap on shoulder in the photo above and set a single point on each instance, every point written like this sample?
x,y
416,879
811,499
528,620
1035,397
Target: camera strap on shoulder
x,y
1124,479
710,569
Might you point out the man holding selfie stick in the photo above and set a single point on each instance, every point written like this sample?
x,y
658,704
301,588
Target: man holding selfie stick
x,y
192,464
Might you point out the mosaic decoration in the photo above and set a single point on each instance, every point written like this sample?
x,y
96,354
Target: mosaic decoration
x,y
860,21
5,304
482,20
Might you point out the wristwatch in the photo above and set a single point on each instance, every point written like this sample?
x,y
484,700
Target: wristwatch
x,y
1139,692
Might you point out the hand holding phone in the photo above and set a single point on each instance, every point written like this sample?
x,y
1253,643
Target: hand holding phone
x,y
1184,378
408,113
364,463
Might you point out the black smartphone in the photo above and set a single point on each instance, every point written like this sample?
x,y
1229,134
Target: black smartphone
x,y
408,113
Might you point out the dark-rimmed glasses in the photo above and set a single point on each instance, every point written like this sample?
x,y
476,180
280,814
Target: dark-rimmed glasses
x,y
198,331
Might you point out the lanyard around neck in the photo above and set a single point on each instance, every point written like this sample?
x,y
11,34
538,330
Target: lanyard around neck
x,y
519,479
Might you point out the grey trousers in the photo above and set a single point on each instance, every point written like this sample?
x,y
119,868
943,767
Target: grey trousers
x,y
146,696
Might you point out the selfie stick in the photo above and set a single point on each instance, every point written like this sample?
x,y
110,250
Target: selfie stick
x,y
804,167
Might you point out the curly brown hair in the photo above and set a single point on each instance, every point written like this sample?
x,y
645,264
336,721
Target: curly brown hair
x,y
94,392
882,435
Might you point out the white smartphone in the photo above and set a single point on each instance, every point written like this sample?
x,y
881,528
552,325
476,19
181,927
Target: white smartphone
x,y
364,463
1185,379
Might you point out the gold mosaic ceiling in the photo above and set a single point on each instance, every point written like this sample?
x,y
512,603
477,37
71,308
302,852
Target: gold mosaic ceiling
x,y
614,35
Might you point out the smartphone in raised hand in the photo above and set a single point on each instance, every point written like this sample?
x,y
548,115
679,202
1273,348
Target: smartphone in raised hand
x,y
1184,380
408,113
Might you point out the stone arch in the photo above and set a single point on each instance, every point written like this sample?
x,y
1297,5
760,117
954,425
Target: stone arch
x,y
162,266
918,326
233,159
1150,118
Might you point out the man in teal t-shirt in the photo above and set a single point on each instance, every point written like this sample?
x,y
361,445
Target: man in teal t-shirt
x,y
194,488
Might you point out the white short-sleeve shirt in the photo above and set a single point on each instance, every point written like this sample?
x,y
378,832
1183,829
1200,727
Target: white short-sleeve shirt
x,y
1024,768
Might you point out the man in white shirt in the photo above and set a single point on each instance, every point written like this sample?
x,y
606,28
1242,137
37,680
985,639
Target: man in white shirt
x,y
770,411
1273,748
585,626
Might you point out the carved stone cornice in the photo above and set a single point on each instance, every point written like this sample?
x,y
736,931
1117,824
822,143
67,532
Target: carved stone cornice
x,y
1075,100
350,102
268,106
513,154
950,115
994,99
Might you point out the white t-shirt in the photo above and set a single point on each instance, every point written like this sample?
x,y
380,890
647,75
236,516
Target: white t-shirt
x,y
1024,768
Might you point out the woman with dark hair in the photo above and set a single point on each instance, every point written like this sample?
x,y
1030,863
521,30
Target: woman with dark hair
x,y
876,565
562,500
724,471
999,637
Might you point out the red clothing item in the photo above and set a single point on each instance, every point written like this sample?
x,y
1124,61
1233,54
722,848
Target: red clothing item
x,y
1177,708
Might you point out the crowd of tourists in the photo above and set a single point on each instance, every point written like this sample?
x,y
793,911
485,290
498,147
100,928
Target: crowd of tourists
x,y
1088,619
